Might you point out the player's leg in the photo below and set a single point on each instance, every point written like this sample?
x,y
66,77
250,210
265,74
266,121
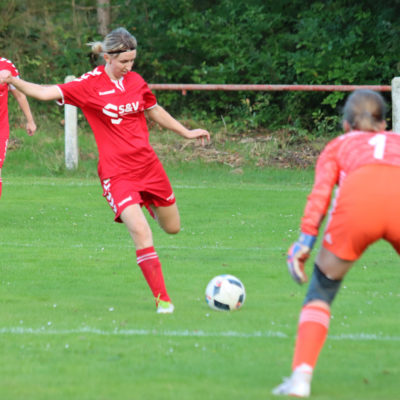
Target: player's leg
x,y
313,325
124,200
137,225
3,150
147,258
329,270
358,219
168,218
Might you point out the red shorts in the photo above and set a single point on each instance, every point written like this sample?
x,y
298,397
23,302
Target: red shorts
x,y
366,208
124,190
3,150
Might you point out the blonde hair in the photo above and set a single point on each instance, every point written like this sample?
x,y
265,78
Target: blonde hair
x,y
117,41
365,110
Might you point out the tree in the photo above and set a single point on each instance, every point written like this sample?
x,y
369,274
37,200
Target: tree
x,y
103,16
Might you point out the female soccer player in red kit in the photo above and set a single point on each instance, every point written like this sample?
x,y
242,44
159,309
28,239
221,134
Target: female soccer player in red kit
x,y
24,105
365,164
114,100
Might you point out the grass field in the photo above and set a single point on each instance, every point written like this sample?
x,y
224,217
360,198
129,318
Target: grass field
x,y
77,320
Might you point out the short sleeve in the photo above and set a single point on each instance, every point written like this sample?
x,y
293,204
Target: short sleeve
x,y
14,72
75,93
149,98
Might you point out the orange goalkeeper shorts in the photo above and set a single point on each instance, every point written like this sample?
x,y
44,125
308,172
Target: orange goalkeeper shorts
x,y
366,208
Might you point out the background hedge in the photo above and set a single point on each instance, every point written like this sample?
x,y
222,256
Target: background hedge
x,y
220,41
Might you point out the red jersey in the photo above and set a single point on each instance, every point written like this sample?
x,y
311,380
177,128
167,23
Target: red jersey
x,y
115,112
341,157
4,126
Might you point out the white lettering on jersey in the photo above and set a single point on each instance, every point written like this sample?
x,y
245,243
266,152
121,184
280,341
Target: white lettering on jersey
x,y
128,108
114,116
108,92
378,142
121,110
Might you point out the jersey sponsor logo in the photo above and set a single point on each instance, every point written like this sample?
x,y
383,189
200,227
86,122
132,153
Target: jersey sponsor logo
x,y
108,92
116,112
108,110
128,108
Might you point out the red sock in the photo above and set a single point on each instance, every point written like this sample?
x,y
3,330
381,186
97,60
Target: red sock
x,y
150,265
311,335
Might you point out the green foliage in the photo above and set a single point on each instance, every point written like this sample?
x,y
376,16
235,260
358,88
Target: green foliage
x,y
224,41
264,42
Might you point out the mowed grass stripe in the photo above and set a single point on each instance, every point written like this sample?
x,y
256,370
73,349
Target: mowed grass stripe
x,y
240,186
375,337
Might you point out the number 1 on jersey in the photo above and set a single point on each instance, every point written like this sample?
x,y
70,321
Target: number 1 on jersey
x,y
378,142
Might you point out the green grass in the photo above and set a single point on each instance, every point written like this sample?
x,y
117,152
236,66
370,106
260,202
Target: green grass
x,y
77,320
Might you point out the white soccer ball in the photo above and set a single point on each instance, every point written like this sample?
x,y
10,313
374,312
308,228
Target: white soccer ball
x,y
225,293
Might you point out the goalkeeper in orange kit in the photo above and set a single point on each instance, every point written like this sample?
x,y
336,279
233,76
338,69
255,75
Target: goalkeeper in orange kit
x,y
364,164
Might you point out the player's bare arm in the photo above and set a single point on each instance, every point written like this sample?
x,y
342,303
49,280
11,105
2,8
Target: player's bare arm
x,y
24,105
164,119
34,90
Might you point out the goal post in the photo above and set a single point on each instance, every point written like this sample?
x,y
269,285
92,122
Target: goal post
x,y
396,104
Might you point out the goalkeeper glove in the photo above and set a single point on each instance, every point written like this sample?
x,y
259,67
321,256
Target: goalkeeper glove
x,y
297,255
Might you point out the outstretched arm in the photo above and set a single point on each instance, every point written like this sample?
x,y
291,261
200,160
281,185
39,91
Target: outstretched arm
x,y
165,120
326,176
24,105
39,92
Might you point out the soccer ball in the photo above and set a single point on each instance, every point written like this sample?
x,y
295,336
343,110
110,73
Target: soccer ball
x,y
225,293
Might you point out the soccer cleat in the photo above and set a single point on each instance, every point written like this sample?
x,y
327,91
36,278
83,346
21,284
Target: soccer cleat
x,y
298,385
165,307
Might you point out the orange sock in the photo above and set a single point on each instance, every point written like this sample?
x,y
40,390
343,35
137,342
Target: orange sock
x,y
311,335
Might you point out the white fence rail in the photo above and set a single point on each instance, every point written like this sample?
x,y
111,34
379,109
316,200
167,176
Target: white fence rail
x,y
71,118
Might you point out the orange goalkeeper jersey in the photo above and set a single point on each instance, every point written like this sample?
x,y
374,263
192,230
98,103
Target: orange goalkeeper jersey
x,y
341,157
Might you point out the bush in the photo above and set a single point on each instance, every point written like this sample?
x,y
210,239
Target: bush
x,y
224,41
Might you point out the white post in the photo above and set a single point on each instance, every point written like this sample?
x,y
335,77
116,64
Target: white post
x,y
71,132
396,105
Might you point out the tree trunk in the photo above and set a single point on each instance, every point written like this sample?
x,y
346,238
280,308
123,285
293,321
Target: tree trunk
x,y
103,16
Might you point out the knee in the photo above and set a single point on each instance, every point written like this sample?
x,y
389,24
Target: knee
x,y
172,229
321,287
172,226
141,235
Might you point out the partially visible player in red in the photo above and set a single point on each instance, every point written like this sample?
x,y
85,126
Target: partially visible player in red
x,y
24,105
116,101
364,163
